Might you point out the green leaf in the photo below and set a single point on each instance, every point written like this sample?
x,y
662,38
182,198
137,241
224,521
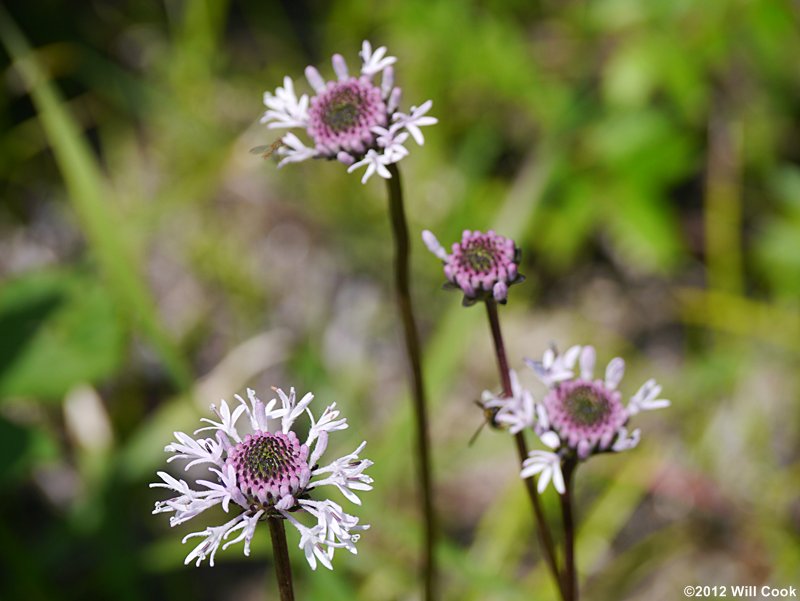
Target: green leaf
x,y
564,225
59,328
20,447
14,444
643,228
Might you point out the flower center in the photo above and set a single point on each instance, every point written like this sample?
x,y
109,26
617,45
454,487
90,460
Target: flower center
x,y
479,258
586,414
342,110
341,117
585,406
267,457
269,466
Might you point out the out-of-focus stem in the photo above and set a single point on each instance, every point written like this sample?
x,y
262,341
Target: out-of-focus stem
x,y
723,207
543,531
570,574
280,553
423,455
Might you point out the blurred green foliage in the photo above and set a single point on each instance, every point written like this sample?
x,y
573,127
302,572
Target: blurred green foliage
x,y
646,157
59,330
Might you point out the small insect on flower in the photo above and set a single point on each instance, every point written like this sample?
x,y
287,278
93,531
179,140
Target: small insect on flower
x,y
515,412
267,151
353,119
489,419
262,470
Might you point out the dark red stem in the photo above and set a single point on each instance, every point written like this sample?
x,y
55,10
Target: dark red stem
x,y
543,531
423,454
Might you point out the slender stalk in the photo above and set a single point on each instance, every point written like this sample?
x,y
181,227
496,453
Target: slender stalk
x,y
499,347
423,455
723,195
543,531
280,553
570,574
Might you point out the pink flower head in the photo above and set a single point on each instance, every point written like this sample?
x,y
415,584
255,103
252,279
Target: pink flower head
x,y
352,119
257,468
585,415
482,265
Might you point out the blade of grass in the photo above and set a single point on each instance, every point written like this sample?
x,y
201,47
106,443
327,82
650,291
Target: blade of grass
x,y
88,191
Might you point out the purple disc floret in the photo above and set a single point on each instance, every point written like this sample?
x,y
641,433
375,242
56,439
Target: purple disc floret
x,y
482,265
585,414
343,115
271,466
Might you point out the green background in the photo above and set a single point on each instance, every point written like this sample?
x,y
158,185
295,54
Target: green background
x,y
645,156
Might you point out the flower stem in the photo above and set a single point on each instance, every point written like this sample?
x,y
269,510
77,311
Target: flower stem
x,y
280,553
403,297
570,575
543,531
499,346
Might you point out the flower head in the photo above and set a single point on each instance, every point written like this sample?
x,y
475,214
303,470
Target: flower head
x,y
352,119
266,473
482,265
584,415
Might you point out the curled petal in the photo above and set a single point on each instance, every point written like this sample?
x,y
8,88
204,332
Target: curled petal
x,y
554,368
500,291
227,420
212,538
550,439
392,143
433,244
418,118
328,422
340,67
625,442
547,466
346,474
315,79
374,62
204,450
294,151
571,356
394,99
345,158
614,372
285,109
587,360
646,398
387,82
248,527
375,163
